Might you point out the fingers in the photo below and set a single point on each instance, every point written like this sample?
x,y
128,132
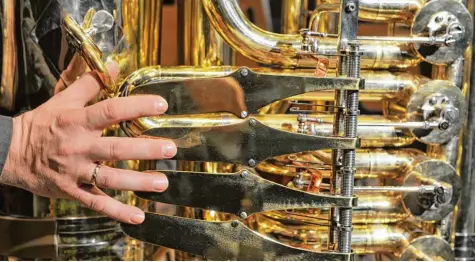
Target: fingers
x,y
96,200
112,111
120,179
125,148
87,87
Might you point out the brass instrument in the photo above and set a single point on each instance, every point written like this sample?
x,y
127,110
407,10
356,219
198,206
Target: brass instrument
x,y
306,157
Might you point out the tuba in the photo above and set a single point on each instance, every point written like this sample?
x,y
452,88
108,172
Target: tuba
x,y
347,136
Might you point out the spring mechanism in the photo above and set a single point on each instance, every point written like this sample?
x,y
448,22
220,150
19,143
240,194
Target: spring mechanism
x,y
348,163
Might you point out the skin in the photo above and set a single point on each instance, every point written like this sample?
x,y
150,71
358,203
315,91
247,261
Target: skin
x,y
55,148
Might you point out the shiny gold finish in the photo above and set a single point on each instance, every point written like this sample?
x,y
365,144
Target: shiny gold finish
x,y
9,56
284,49
89,51
293,15
370,163
372,11
371,209
365,238
201,44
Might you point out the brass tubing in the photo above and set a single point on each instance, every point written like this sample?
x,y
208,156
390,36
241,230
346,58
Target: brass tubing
x,y
293,16
200,44
379,85
366,239
371,209
372,11
369,135
9,55
369,163
283,49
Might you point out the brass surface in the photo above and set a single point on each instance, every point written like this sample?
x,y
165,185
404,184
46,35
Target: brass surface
x,y
283,50
9,55
293,17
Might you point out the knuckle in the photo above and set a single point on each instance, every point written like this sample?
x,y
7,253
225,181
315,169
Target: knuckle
x,y
63,120
114,151
97,205
111,111
105,180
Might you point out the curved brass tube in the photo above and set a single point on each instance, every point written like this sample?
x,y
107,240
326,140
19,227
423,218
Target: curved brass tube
x,y
293,15
372,11
9,56
369,163
371,209
283,49
366,239
370,136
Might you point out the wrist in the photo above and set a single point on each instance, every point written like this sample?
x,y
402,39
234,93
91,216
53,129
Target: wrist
x,y
11,169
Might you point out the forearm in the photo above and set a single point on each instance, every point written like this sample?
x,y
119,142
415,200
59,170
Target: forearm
x,y
6,126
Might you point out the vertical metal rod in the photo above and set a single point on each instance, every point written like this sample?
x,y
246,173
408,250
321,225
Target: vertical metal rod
x,y
348,161
349,10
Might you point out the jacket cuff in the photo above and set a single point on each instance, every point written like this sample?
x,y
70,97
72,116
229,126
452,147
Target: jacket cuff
x,y
6,127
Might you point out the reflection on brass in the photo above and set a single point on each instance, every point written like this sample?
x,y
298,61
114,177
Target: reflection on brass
x,y
366,239
293,15
372,11
283,49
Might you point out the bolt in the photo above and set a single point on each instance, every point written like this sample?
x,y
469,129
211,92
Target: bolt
x,y
243,215
244,72
251,162
450,113
234,223
439,190
350,7
444,125
252,122
244,114
244,174
438,18
433,101
449,40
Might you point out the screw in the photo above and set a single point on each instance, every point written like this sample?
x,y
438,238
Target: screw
x,y
244,72
439,190
243,215
251,162
244,114
244,174
234,223
252,122
438,18
449,41
350,7
433,101
444,125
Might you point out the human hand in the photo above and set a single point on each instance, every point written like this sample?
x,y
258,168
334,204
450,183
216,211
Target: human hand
x,y
55,148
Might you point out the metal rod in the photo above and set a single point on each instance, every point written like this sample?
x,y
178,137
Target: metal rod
x,y
423,124
400,189
406,39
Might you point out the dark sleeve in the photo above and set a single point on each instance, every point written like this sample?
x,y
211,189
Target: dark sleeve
x,y
6,126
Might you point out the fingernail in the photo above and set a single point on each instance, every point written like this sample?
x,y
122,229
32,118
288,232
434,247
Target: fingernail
x,y
160,184
137,218
161,105
169,149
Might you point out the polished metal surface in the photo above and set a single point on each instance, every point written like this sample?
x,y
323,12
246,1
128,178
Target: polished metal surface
x,y
247,143
219,240
441,17
283,123
435,100
242,193
428,248
242,92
